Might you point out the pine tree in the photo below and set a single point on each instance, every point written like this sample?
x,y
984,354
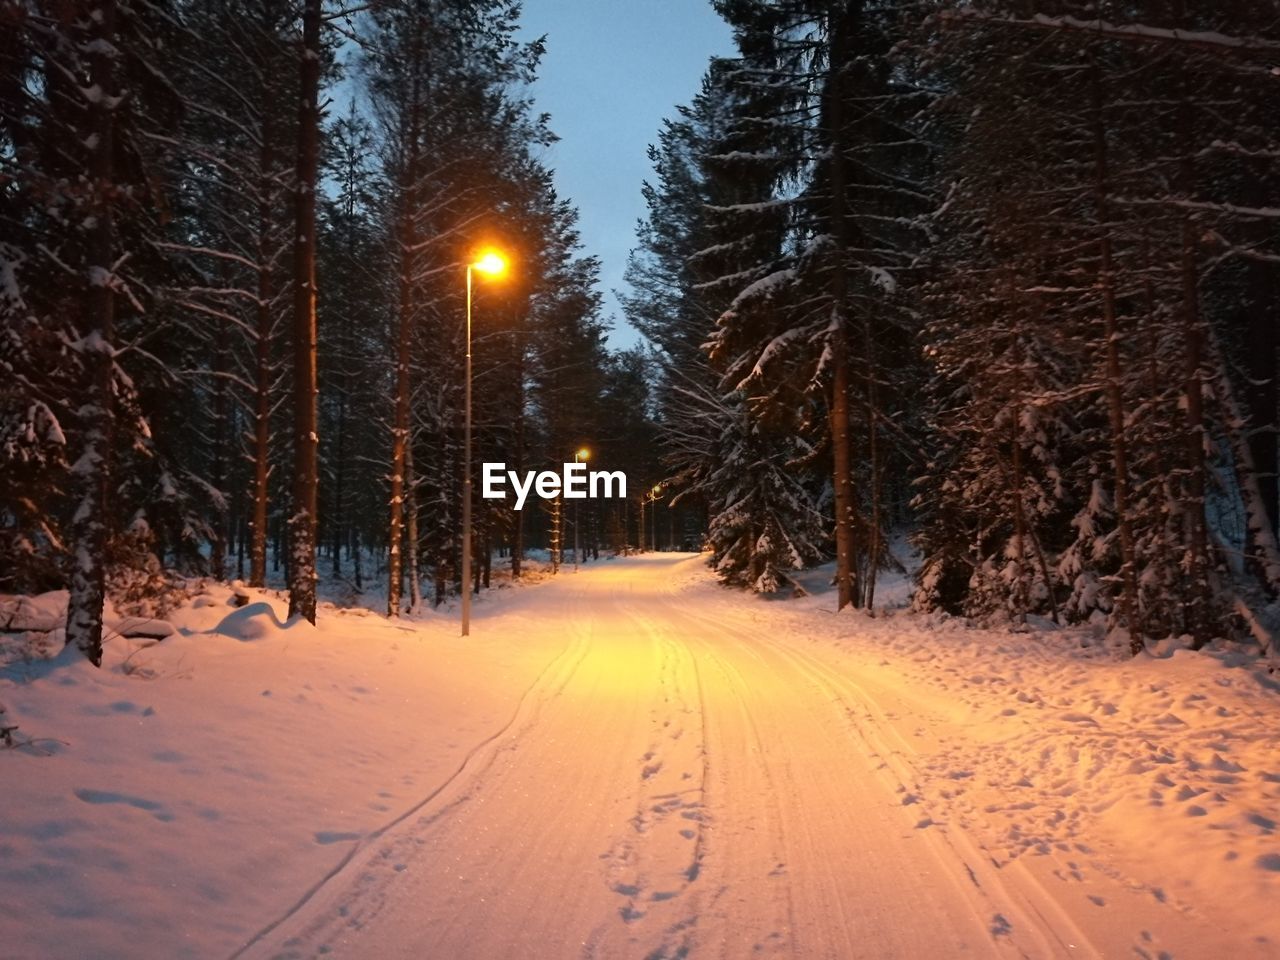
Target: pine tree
x,y
1082,222
306,440
235,225
352,322
82,91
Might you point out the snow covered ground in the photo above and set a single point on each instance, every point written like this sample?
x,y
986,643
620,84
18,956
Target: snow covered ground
x,y
634,762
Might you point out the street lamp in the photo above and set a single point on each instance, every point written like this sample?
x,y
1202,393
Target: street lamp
x,y
579,457
493,264
651,497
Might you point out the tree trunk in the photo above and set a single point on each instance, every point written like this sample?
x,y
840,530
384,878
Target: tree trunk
x,y
517,519
306,440
874,545
355,557
261,406
446,567
1261,361
339,506
218,469
337,534
556,532
262,349
1022,595
847,590
411,533
404,326
399,440
1194,503
1128,600
87,593
1262,551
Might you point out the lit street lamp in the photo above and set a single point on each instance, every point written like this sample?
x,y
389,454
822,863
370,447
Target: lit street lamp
x,y
651,497
579,457
494,264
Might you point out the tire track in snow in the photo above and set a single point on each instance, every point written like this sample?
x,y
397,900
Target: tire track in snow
x,y
798,845
1028,924
656,868
1018,910
750,855
554,677
510,873
1064,886
1024,914
831,891
1038,889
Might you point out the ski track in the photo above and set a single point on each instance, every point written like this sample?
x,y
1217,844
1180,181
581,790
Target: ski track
x,y
682,784
479,758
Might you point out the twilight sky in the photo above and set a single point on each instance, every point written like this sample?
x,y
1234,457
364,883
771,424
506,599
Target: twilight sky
x,y
613,69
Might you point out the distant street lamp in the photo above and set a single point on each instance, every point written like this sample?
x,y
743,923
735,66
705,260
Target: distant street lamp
x,y
493,264
579,457
651,497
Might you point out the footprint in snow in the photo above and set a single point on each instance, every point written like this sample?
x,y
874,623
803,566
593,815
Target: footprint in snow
x,y
1265,824
333,836
98,797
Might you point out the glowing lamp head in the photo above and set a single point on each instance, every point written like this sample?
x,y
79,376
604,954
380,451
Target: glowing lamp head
x,y
491,262
583,454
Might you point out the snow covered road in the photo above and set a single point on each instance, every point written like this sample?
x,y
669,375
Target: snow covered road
x,y
671,788
680,782
633,763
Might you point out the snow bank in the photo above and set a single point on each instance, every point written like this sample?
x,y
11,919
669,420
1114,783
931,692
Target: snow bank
x,y
194,786
42,613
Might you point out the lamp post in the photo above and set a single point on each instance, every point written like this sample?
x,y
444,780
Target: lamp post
x,y
494,264
579,457
651,498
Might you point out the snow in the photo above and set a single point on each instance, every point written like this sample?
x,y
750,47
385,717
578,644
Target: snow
x,y
10,291
884,280
41,613
634,761
765,287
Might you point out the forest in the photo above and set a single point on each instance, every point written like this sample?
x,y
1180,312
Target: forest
x,y
1003,274
999,274
234,244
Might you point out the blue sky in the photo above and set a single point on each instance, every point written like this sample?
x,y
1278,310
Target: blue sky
x,y
612,71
